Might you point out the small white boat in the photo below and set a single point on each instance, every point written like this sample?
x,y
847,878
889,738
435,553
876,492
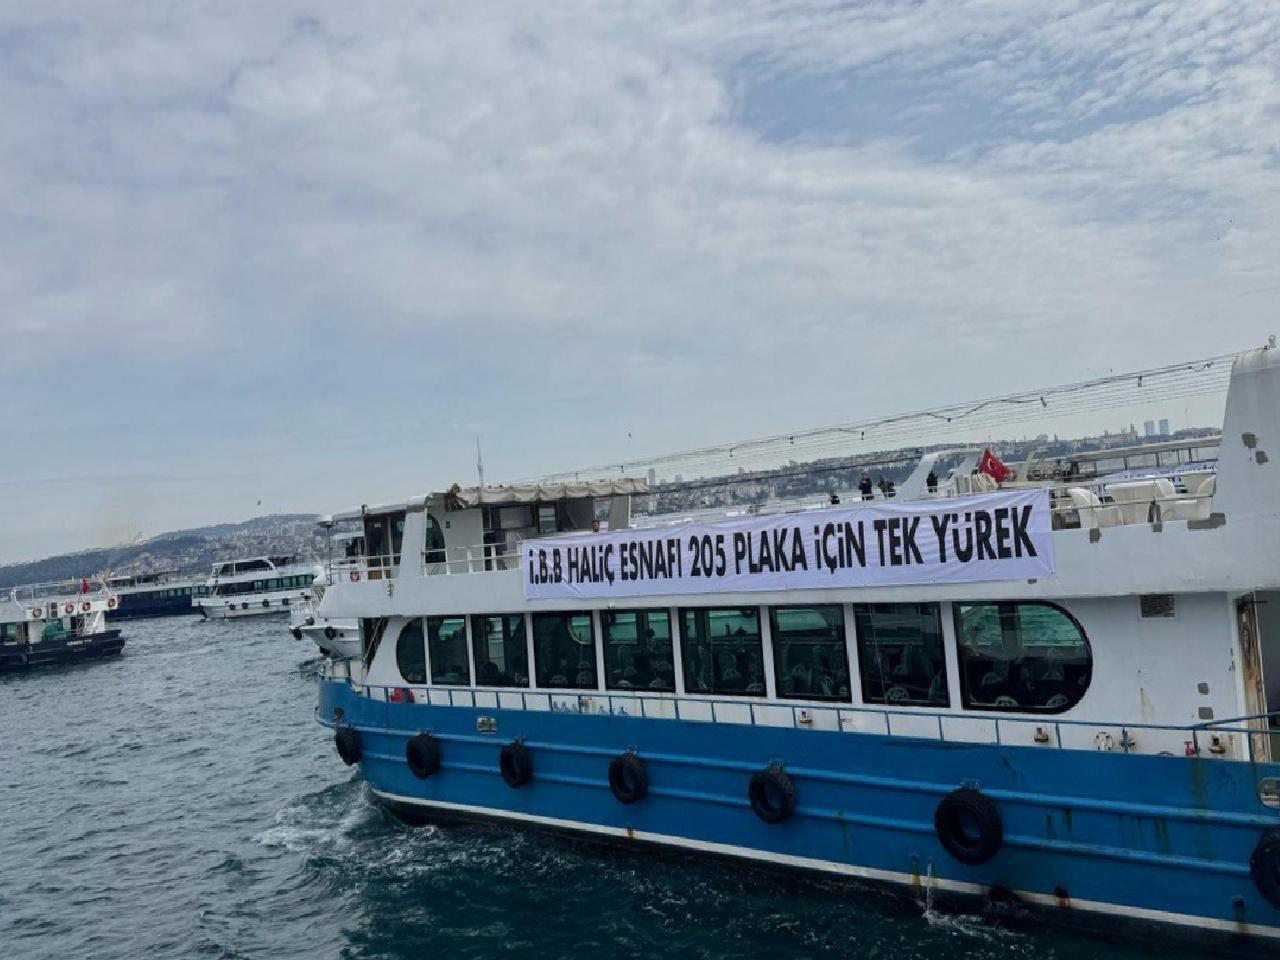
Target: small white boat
x,y
255,586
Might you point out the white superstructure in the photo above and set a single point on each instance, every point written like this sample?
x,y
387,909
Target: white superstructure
x,y
255,586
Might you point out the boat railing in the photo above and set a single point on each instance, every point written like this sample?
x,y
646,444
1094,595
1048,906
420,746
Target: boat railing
x,y
1215,739
70,589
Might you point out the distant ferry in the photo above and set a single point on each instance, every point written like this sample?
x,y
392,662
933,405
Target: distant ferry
x,y
255,586
1059,688
57,623
334,637
145,595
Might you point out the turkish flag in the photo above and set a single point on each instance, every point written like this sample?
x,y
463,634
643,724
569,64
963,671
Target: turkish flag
x,y
993,467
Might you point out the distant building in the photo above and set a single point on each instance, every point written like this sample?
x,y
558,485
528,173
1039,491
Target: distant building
x,y
653,477
1164,427
1148,428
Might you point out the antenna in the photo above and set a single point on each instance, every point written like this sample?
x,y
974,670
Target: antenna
x,y
479,462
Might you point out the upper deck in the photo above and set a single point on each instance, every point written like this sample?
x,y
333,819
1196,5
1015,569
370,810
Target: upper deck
x,y
1167,517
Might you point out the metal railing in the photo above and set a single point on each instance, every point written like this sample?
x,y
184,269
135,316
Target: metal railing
x,y
1199,739
65,589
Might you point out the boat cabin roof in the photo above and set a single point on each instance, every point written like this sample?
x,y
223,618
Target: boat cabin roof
x,y
465,498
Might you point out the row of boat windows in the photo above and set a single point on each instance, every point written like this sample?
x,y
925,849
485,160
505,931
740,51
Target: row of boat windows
x,y
262,586
1021,657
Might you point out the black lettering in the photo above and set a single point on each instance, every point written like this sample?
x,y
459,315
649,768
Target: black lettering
x,y
940,531
855,541
982,528
910,526
895,541
879,525
1021,541
1003,550
963,553
739,551
798,559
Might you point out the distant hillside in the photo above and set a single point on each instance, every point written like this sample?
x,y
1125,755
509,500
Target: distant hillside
x,y
192,551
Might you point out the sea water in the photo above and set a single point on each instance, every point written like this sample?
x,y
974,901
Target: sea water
x,y
181,801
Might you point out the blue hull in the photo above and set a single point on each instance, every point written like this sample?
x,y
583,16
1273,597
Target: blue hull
x,y
135,606
1165,839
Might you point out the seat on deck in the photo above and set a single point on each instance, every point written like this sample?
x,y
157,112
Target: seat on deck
x,y
1091,511
1135,497
1197,506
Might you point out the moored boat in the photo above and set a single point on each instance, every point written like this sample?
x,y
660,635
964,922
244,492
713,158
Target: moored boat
x,y
1061,690
46,624
146,595
254,586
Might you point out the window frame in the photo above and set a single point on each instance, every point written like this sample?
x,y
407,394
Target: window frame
x,y
670,648
960,657
864,673
842,660
477,639
535,667
431,660
685,635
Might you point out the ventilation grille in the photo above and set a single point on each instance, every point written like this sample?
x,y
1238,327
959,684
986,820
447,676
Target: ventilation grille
x,y
1156,604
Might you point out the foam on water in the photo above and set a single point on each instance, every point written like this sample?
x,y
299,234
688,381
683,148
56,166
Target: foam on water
x,y
182,802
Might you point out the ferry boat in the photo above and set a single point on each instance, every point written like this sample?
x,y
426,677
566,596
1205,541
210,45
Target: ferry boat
x,y
146,595
48,624
1060,691
338,638
255,586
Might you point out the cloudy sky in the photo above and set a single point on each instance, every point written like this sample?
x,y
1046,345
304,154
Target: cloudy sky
x,y
303,254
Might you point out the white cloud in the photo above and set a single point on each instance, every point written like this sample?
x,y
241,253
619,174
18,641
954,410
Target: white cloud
x,y
568,202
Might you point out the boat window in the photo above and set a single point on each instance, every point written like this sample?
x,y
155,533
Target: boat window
x,y
637,650
433,549
900,654
502,658
397,535
411,653
447,641
722,651
810,661
564,650
1023,657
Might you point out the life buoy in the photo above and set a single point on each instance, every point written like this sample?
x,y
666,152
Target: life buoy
x,y
347,740
772,794
515,764
265,603
111,603
355,576
1264,866
969,826
68,608
86,607
423,755
627,778
37,613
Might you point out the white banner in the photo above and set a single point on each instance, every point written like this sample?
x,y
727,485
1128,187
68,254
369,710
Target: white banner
x,y
997,536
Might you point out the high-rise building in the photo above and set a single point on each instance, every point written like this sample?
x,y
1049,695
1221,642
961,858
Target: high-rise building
x,y
1148,428
1164,426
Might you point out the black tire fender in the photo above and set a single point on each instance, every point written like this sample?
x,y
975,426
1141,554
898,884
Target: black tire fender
x,y
350,749
772,794
1264,866
969,826
515,764
422,753
628,779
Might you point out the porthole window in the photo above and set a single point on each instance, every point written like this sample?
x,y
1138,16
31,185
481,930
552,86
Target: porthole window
x,y
1021,657
411,656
